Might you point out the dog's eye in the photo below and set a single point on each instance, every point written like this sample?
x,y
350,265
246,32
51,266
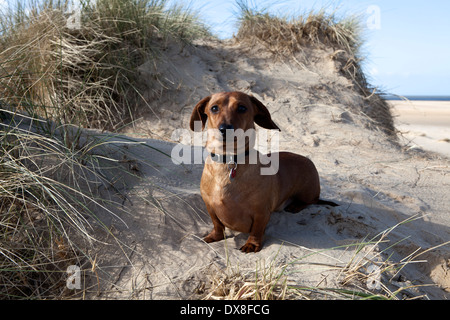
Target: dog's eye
x,y
241,109
215,109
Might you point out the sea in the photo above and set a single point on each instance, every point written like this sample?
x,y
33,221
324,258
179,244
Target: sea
x,y
416,98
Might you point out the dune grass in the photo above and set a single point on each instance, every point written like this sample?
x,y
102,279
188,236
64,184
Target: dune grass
x,y
288,35
48,191
78,65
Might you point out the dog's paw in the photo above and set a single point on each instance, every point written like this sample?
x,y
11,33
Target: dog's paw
x,y
213,237
250,247
209,239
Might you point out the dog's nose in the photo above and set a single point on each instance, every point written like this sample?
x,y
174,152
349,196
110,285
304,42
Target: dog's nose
x,y
223,129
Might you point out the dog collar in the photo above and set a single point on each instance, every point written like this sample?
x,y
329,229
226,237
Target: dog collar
x,y
228,158
231,161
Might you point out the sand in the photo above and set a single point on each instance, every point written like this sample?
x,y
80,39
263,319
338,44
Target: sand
x,y
386,190
425,123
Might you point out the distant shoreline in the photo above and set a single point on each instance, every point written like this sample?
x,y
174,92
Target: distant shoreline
x,y
416,98
424,123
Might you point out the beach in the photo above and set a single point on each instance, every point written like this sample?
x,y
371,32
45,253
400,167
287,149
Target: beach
x,y
425,123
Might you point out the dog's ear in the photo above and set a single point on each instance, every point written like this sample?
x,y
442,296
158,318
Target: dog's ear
x,y
262,116
199,113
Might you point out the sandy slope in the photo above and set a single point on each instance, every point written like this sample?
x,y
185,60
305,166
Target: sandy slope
x,y
377,183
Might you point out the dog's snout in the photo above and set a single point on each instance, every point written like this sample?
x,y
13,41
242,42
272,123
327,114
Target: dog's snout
x,y
223,129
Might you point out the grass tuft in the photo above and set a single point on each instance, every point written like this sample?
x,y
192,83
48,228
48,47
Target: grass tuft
x,y
266,282
47,193
78,65
286,36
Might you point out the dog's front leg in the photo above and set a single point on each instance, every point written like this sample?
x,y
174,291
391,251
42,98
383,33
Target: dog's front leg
x,y
218,232
254,241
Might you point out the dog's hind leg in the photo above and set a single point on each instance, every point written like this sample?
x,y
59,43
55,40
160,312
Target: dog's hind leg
x,y
295,206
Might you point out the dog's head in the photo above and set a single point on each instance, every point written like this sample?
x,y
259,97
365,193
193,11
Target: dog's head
x,y
225,113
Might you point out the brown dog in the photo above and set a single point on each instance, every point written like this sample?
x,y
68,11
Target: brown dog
x,y
237,195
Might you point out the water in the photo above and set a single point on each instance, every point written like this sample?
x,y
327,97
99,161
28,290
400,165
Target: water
x,y
417,98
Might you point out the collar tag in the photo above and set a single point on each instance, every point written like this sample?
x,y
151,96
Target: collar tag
x,y
232,165
232,173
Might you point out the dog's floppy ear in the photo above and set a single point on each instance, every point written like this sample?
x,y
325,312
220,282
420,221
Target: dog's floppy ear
x,y
199,113
262,116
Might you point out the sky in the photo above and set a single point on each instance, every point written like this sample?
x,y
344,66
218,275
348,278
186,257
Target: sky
x,y
407,43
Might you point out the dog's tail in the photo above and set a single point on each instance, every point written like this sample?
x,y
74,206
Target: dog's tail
x,y
326,203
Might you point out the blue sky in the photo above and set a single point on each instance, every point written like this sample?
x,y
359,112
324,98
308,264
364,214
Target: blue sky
x,y
407,46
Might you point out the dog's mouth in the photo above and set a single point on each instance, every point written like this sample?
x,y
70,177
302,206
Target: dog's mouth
x,y
230,142
227,136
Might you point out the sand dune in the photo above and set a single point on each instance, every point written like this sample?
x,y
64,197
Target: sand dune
x,y
379,184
